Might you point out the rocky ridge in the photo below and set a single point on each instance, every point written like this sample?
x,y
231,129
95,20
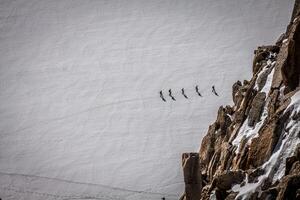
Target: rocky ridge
x,y
252,150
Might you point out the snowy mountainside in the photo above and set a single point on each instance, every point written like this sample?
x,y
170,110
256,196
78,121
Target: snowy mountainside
x,y
80,112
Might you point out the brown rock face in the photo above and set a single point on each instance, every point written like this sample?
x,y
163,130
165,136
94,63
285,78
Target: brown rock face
x,y
260,56
289,187
292,69
207,147
235,95
261,147
223,120
227,179
192,176
256,109
291,161
241,146
291,48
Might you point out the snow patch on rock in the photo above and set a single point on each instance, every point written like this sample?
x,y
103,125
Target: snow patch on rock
x,y
275,167
251,132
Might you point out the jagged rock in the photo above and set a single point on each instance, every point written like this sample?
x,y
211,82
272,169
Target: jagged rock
x,y
280,39
295,169
221,162
289,164
228,110
241,94
248,93
280,64
192,176
274,101
296,10
222,183
237,97
220,194
289,186
291,72
239,116
256,108
260,55
292,160
229,178
239,159
261,147
226,154
246,82
213,164
207,148
231,196
270,194
291,66
253,176
205,193
271,48
223,120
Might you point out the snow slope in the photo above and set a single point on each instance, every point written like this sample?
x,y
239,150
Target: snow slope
x,y
80,112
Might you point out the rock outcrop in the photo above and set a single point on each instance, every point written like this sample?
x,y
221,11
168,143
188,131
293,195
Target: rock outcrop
x,y
192,175
252,150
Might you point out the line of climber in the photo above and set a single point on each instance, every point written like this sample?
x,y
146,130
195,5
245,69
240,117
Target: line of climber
x,y
213,90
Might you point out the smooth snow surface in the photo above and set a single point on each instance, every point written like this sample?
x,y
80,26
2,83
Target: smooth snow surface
x,y
80,112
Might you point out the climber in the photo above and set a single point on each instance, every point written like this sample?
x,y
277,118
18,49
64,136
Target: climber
x,y
214,90
163,198
182,92
197,90
170,94
162,96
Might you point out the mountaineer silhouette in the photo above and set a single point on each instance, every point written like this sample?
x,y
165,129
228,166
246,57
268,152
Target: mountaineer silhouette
x,y
197,90
162,96
183,93
170,94
214,90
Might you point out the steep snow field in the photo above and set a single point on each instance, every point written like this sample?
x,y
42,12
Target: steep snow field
x,y
80,112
